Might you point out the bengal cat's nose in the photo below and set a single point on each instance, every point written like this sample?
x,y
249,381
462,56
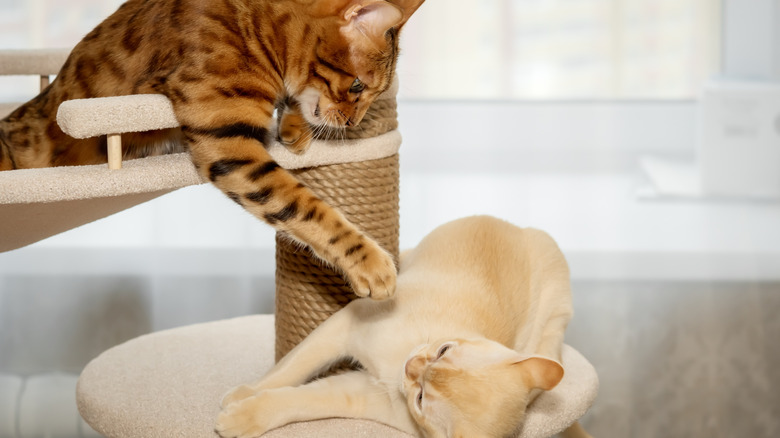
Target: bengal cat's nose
x,y
343,118
413,367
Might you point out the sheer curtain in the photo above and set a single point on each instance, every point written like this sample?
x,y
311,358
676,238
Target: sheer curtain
x,y
559,49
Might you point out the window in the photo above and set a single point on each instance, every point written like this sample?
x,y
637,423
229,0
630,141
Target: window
x,y
50,23
561,49
26,24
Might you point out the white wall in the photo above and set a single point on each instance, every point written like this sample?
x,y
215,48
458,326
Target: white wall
x,y
751,41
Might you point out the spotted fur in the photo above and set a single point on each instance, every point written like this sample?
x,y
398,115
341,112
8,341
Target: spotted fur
x,y
225,65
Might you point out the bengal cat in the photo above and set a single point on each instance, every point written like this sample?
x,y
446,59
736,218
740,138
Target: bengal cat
x,y
225,65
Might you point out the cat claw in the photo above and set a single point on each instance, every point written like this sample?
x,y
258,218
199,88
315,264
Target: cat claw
x,y
377,289
376,278
297,145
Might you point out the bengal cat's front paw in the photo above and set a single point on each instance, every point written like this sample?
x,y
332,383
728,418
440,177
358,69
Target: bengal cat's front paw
x,y
294,132
244,419
374,274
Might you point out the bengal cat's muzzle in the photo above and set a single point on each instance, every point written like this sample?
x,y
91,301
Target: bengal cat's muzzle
x,y
319,110
340,115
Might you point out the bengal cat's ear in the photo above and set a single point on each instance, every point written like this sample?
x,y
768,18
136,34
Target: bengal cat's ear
x,y
369,20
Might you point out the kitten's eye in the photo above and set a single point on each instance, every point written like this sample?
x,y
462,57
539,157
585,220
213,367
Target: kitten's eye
x,y
357,86
443,349
419,400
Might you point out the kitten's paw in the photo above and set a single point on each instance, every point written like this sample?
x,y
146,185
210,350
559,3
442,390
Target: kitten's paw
x,y
373,274
243,419
237,394
294,133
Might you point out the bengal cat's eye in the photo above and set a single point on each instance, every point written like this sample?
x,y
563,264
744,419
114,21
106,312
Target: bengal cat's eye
x,y
357,86
443,349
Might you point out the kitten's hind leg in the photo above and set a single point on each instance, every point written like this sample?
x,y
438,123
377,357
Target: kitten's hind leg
x,y
326,345
349,395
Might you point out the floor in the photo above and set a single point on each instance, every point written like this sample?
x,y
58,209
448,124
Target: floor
x,y
681,359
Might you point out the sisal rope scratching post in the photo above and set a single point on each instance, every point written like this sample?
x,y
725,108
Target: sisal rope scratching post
x,y
366,192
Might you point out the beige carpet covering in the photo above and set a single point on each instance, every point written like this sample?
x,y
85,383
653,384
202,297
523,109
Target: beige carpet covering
x,y
38,203
40,62
169,384
87,118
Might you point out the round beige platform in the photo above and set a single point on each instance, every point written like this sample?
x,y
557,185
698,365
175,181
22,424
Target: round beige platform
x,y
169,384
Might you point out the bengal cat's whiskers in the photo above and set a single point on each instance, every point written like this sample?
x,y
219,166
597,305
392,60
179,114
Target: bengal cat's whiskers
x,y
343,135
319,131
308,135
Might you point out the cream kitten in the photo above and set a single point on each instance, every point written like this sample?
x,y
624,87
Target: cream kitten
x,y
473,335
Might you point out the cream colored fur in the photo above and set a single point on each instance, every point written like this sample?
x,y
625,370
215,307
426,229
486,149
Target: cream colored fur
x,y
477,324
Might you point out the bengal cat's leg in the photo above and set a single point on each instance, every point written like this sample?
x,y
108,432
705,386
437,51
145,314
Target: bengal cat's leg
x,y
227,149
32,138
349,395
295,133
6,161
24,144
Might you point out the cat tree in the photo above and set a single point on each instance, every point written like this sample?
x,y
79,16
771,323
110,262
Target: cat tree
x,y
169,383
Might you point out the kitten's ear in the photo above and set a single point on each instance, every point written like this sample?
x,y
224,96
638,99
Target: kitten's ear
x,y
542,373
371,19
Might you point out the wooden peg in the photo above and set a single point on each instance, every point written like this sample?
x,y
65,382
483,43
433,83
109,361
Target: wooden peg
x,y
44,81
114,151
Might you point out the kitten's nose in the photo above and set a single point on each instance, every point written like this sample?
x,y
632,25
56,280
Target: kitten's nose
x,y
413,367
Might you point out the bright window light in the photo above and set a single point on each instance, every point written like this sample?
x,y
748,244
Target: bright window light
x,y
561,49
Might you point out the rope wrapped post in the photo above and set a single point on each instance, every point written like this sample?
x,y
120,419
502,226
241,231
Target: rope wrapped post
x,y
366,192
